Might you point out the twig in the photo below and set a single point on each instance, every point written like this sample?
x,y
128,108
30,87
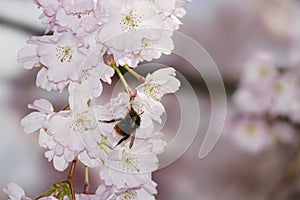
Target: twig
x,y
70,180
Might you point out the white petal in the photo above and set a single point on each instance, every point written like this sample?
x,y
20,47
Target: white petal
x,y
28,56
86,160
60,163
42,105
14,191
32,122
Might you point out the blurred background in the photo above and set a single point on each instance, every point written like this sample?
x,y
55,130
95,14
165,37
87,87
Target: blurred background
x,y
231,31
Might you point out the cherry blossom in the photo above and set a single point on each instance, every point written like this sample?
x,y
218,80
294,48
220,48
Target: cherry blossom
x,y
37,120
125,168
252,135
159,83
58,54
87,83
250,101
259,72
143,47
126,17
61,54
78,133
67,134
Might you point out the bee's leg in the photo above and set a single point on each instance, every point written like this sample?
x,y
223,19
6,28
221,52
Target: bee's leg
x,y
123,139
132,137
110,121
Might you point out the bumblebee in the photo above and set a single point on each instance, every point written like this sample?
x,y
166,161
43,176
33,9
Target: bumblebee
x,y
127,126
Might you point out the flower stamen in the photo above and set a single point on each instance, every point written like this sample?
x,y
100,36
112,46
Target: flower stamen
x,y
64,53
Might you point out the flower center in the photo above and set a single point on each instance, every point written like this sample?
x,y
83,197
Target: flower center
x,y
82,122
127,162
251,129
278,88
128,195
64,53
152,91
263,72
130,21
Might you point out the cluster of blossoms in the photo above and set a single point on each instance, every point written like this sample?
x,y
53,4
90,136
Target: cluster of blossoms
x,y
84,31
267,104
267,100
90,41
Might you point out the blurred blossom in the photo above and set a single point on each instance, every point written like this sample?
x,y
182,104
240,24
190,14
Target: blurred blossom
x,y
266,94
259,71
266,89
249,101
254,94
283,94
276,16
283,132
254,135
286,95
251,135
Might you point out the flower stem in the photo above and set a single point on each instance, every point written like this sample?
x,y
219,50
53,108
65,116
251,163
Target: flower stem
x,y
134,73
70,180
126,86
87,184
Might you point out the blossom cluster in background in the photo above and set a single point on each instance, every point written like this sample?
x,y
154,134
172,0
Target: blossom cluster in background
x,y
85,44
267,104
267,99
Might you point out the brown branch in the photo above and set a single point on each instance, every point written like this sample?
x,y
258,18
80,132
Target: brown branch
x,y
70,180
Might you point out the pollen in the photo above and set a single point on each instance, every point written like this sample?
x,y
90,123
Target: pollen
x,y
152,91
81,123
64,53
127,162
84,75
81,15
128,195
130,21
